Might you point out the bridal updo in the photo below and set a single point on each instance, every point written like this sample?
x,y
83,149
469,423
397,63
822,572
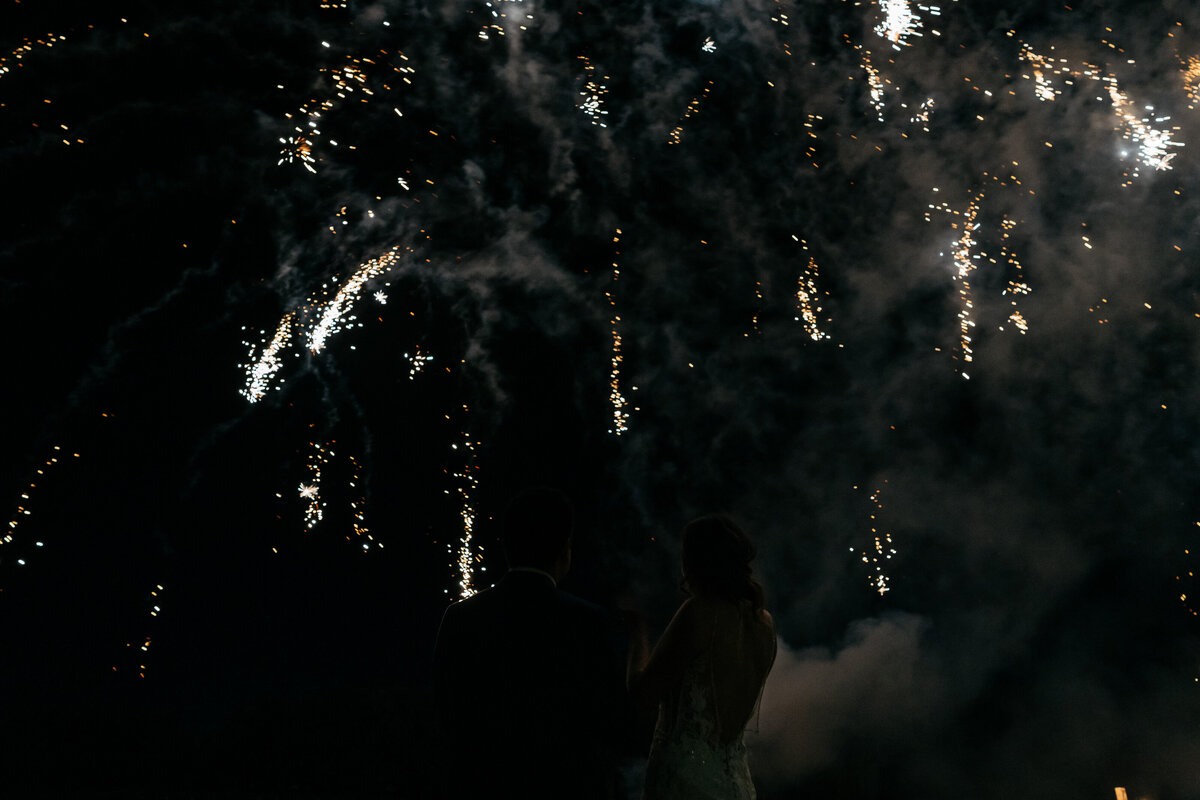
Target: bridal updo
x,y
716,561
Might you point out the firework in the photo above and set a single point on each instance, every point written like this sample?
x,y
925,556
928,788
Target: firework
x,y
807,297
417,362
1153,144
466,483
881,549
140,653
693,108
348,79
8,538
358,507
619,403
314,509
875,80
1191,80
260,371
15,57
498,17
321,318
592,94
900,22
922,114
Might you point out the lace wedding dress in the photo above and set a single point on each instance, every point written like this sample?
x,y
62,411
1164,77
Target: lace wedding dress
x,y
688,760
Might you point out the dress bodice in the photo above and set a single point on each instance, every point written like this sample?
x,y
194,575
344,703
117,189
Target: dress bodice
x,y
687,759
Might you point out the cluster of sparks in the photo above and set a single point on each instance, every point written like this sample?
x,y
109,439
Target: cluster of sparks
x,y
1184,597
1191,80
900,22
881,549
23,509
875,80
143,649
13,59
808,297
693,108
358,510
346,80
591,101
314,509
922,114
1154,145
320,318
967,257
417,362
496,26
620,405
466,482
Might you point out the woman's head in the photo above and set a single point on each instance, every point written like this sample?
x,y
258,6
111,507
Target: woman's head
x,y
716,560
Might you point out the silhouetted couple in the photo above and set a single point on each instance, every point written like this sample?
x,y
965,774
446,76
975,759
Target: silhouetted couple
x,y
530,682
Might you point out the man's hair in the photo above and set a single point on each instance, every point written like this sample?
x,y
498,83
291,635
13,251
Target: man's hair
x,y
537,527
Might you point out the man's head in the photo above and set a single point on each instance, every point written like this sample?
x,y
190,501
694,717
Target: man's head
x,y
537,531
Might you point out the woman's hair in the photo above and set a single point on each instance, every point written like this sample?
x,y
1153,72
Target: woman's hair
x,y
716,560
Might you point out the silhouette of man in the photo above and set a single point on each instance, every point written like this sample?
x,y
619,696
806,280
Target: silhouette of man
x,y
528,679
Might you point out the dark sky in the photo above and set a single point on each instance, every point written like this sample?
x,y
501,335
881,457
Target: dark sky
x,y
918,305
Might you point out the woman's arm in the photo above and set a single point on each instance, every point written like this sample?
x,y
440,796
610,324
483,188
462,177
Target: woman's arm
x,y
648,678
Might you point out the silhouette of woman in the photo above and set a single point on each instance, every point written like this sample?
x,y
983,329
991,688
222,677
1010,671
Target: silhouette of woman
x,y
707,671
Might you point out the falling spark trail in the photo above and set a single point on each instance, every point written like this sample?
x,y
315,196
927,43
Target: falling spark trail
x,y
23,511
348,79
1191,80
619,403
263,369
467,483
1153,144
314,511
875,81
592,94
880,551
807,297
14,58
330,318
693,108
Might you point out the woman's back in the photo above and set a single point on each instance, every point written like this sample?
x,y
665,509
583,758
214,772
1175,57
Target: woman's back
x,y
698,750
742,651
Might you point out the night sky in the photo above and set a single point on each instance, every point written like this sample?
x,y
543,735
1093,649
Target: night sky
x,y
915,298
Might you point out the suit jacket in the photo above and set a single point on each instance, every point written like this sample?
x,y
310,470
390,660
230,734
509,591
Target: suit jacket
x,y
529,690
